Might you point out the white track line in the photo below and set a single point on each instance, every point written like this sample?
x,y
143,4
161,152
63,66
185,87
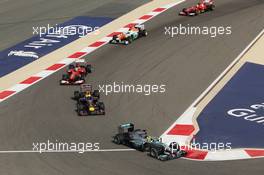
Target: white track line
x,y
64,151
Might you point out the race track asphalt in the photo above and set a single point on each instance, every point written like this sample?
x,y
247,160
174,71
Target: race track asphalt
x,y
186,64
17,18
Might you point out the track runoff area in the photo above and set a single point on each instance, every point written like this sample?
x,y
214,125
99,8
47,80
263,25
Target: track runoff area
x,y
226,121
229,104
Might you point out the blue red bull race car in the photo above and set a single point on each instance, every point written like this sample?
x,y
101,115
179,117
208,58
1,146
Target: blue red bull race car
x,y
88,101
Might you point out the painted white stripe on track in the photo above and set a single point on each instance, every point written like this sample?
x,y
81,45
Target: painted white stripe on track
x,y
66,61
44,73
139,21
19,87
64,151
227,155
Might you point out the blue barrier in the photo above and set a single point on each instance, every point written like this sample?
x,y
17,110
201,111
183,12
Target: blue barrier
x,y
55,37
236,114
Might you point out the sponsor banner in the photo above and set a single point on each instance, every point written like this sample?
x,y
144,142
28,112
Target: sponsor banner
x,y
236,114
47,39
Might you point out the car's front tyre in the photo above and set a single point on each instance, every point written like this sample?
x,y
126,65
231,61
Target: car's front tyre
x,y
117,140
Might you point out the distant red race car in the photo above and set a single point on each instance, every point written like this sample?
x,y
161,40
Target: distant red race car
x,y
76,74
201,7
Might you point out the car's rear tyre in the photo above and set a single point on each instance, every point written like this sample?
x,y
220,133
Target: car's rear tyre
x,y
142,148
113,40
144,33
130,39
96,94
76,95
65,77
182,153
101,106
71,66
82,78
79,109
212,7
154,153
89,68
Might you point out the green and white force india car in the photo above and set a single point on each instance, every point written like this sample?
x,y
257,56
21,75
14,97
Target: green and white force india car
x,y
134,32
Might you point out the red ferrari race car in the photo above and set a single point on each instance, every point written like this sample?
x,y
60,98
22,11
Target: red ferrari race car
x,y
76,73
201,7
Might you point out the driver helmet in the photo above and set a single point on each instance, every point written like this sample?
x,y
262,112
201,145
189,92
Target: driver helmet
x,y
78,65
133,28
88,94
